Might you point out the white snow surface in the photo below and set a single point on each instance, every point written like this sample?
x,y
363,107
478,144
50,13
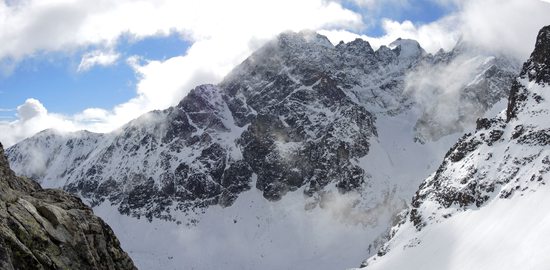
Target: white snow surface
x,y
505,232
408,48
396,159
253,233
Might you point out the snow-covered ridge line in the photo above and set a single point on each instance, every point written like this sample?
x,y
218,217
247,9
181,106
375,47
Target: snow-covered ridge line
x,y
489,184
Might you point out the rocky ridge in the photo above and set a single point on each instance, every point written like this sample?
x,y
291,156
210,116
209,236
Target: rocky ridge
x,y
504,157
51,229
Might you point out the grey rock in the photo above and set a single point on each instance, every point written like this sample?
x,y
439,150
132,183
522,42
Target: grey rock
x,y
51,229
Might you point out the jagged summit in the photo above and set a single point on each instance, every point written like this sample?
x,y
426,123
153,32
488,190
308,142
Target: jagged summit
x,y
536,69
297,39
408,48
359,47
350,65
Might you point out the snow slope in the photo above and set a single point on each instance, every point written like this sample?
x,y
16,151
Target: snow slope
x,y
487,205
253,233
503,234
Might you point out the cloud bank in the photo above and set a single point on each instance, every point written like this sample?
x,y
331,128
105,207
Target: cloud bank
x,y
32,117
222,34
499,26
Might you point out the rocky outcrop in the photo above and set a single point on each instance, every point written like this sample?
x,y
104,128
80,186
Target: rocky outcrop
x,y
536,69
51,229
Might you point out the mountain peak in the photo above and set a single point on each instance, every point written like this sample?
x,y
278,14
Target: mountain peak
x,y
294,39
537,68
408,48
357,46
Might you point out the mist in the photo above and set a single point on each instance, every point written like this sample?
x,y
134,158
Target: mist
x,y
331,231
453,94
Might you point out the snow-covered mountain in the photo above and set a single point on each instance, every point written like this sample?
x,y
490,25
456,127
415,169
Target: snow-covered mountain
x,y
303,134
486,207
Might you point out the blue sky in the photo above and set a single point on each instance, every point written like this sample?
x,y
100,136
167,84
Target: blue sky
x,y
52,77
419,12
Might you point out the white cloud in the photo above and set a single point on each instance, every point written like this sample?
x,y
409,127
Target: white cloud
x,y
30,109
59,25
432,36
92,115
507,26
32,117
95,58
373,4
224,33
494,25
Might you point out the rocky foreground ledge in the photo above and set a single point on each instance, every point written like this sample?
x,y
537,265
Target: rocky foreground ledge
x,y
51,229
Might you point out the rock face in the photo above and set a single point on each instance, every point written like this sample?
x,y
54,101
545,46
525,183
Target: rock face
x,y
51,229
536,69
505,157
298,113
304,128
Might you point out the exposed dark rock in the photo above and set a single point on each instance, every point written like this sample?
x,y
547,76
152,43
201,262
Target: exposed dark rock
x,y
50,229
536,69
484,123
539,137
464,146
